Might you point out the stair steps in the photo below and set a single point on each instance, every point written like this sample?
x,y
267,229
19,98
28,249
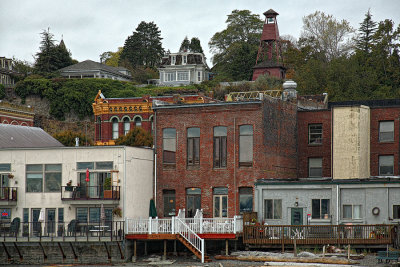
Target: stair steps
x,y
192,248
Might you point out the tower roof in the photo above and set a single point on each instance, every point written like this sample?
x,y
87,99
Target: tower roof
x,y
270,13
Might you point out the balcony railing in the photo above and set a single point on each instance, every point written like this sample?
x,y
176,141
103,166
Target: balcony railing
x,y
62,231
90,193
8,193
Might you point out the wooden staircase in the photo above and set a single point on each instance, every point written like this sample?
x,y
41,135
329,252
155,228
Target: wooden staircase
x,y
192,248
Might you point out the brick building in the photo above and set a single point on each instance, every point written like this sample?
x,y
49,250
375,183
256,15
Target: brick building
x,y
114,117
377,131
210,155
16,114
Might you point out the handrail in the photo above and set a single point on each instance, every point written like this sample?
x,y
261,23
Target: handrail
x,y
190,236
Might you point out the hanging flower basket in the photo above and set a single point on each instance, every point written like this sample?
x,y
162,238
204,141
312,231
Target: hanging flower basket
x,y
10,176
117,212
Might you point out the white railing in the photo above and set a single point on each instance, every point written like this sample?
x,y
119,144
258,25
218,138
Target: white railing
x,y
190,236
198,224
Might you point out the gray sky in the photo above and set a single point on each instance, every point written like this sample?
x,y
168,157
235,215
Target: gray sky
x,y
91,27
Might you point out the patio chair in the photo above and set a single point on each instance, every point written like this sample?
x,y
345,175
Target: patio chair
x,y
14,227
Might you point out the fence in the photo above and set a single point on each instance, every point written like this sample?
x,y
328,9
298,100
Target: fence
x,y
62,231
90,192
318,234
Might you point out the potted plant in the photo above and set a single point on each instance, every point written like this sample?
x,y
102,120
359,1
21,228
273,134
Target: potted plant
x,y
10,176
117,211
107,188
69,186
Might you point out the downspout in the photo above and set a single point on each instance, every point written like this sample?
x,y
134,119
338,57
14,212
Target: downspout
x,y
124,197
337,204
236,190
155,156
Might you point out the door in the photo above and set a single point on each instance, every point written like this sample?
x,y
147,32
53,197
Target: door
x,y
50,221
36,225
296,216
193,204
220,206
4,186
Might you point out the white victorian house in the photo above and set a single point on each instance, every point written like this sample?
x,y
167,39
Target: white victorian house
x,y
183,68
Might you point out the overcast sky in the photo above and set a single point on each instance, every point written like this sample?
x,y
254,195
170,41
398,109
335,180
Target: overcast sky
x,y
91,27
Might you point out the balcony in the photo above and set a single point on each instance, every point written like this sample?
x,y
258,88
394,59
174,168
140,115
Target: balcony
x,y
8,196
90,194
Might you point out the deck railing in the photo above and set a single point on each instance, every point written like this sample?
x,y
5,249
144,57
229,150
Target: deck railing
x,y
190,236
197,225
89,193
318,234
8,193
62,231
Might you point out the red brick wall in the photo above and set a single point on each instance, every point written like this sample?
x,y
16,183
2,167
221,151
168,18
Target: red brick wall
x,y
265,165
388,148
12,120
309,151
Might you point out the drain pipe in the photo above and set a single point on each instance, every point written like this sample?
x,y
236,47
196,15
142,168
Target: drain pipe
x,y
236,190
155,155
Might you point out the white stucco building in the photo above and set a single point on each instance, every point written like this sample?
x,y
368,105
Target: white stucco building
x,y
56,180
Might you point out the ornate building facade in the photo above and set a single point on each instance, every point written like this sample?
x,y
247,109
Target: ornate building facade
x,y
16,115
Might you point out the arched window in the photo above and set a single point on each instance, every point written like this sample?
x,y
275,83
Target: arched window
x,y
115,128
99,128
138,122
127,126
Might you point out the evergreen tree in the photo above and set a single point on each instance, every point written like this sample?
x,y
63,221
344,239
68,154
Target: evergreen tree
x,y
367,30
143,47
195,45
185,45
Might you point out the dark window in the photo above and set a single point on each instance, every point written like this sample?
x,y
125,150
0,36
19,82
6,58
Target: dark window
x,y
35,174
320,208
315,134
315,167
193,201
169,203
127,126
245,199
386,165
5,167
138,122
25,215
272,208
82,214
396,211
386,131
60,214
193,146
115,130
220,134
169,145
246,145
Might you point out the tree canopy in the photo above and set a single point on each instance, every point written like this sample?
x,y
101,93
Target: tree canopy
x,y
67,138
136,137
235,48
191,46
143,47
51,57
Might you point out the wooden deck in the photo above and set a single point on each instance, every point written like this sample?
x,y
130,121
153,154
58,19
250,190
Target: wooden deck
x,y
318,234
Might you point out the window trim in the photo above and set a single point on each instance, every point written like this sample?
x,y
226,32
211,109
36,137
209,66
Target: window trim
x,y
246,163
222,139
398,215
195,162
273,209
309,168
352,211
43,172
379,165
321,216
163,148
316,142
379,133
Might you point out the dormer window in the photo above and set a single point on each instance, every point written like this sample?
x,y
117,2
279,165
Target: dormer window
x,y
173,60
184,59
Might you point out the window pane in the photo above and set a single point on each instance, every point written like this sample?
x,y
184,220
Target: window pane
x,y
169,132
386,165
169,203
246,149
224,206
190,151
246,130
220,191
60,214
94,215
53,167
315,134
396,211
81,214
196,148
245,202
25,216
34,182
106,165
84,165
324,207
268,209
386,131
216,206
53,182
5,214
277,208
193,132
223,151
357,212
220,131
34,167
169,145
347,212
217,147
315,162
316,212
5,167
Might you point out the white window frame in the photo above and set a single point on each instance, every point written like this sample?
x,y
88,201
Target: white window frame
x,y
352,208
169,76
173,60
381,157
386,124
310,167
182,73
315,135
